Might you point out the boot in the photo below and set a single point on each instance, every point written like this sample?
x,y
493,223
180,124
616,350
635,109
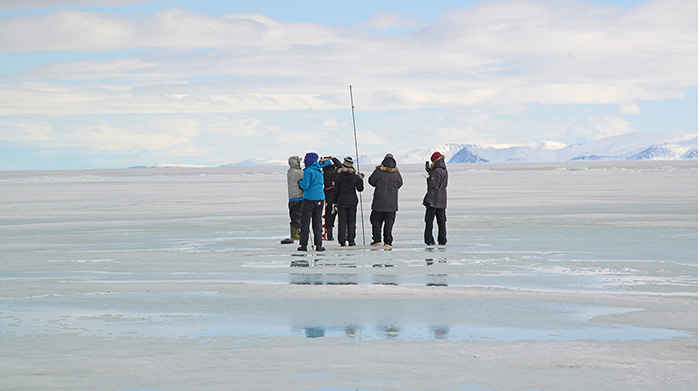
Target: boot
x,y
294,232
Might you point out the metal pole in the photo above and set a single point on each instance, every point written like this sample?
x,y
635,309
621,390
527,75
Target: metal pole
x,y
357,160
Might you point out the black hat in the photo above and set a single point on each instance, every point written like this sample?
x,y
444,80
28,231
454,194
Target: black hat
x,y
389,161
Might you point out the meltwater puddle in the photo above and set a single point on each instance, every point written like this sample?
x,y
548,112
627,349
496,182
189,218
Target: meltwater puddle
x,y
211,315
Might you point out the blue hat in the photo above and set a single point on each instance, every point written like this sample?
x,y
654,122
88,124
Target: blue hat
x,y
310,158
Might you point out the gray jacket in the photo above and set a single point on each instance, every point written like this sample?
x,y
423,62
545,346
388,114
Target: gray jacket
x,y
294,175
387,181
436,197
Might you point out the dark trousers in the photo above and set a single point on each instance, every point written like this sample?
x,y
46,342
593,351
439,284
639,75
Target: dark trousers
x,y
330,216
311,212
387,220
347,220
295,214
430,215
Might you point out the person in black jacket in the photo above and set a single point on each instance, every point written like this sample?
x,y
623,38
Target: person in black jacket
x,y
387,180
330,172
435,200
344,201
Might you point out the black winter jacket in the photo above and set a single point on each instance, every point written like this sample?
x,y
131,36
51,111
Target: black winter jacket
x,y
330,172
436,197
347,183
387,180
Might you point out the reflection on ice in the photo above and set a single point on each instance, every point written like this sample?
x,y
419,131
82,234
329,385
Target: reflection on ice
x,y
437,280
390,331
365,318
355,279
440,331
385,279
323,279
315,332
384,332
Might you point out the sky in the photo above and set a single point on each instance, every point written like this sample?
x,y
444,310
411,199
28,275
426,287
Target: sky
x,y
117,83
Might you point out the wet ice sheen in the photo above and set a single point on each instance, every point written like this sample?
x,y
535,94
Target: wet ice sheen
x,y
532,239
209,314
190,254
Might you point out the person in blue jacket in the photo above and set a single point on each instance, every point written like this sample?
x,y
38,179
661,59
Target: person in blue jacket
x,y
312,202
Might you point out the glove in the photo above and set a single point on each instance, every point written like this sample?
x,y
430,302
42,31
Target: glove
x,y
335,209
362,175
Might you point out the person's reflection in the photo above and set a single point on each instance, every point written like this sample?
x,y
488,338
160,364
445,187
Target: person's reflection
x,y
432,261
352,331
440,331
385,279
299,263
341,279
305,279
390,332
315,332
437,280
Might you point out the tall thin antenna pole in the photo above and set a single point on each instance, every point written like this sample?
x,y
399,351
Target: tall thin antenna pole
x,y
357,160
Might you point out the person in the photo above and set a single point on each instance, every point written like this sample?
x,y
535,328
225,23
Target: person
x,y
386,180
435,200
343,199
295,194
312,202
330,173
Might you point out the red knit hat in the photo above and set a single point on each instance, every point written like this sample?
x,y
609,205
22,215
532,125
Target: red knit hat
x,y
435,157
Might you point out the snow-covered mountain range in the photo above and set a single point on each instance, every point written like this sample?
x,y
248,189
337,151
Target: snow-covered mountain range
x,y
631,146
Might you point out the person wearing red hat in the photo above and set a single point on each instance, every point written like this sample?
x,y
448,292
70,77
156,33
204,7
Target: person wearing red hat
x,y
435,200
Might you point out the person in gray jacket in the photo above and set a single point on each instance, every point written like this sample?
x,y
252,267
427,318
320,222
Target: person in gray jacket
x,y
295,194
435,200
386,180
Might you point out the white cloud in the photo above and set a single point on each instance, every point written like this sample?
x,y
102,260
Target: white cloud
x,y
630,108
392,20
240,73
74,30
106,137
25,130
27,4
511,52
598,127
174,29
158,133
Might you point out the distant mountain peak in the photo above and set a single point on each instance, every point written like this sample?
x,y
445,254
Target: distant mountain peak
x,y
466,156
631,146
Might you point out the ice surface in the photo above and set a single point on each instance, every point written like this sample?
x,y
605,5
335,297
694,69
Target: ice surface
x,y
555,276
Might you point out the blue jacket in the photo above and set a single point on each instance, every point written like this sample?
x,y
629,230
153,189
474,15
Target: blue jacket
x,y
312,182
